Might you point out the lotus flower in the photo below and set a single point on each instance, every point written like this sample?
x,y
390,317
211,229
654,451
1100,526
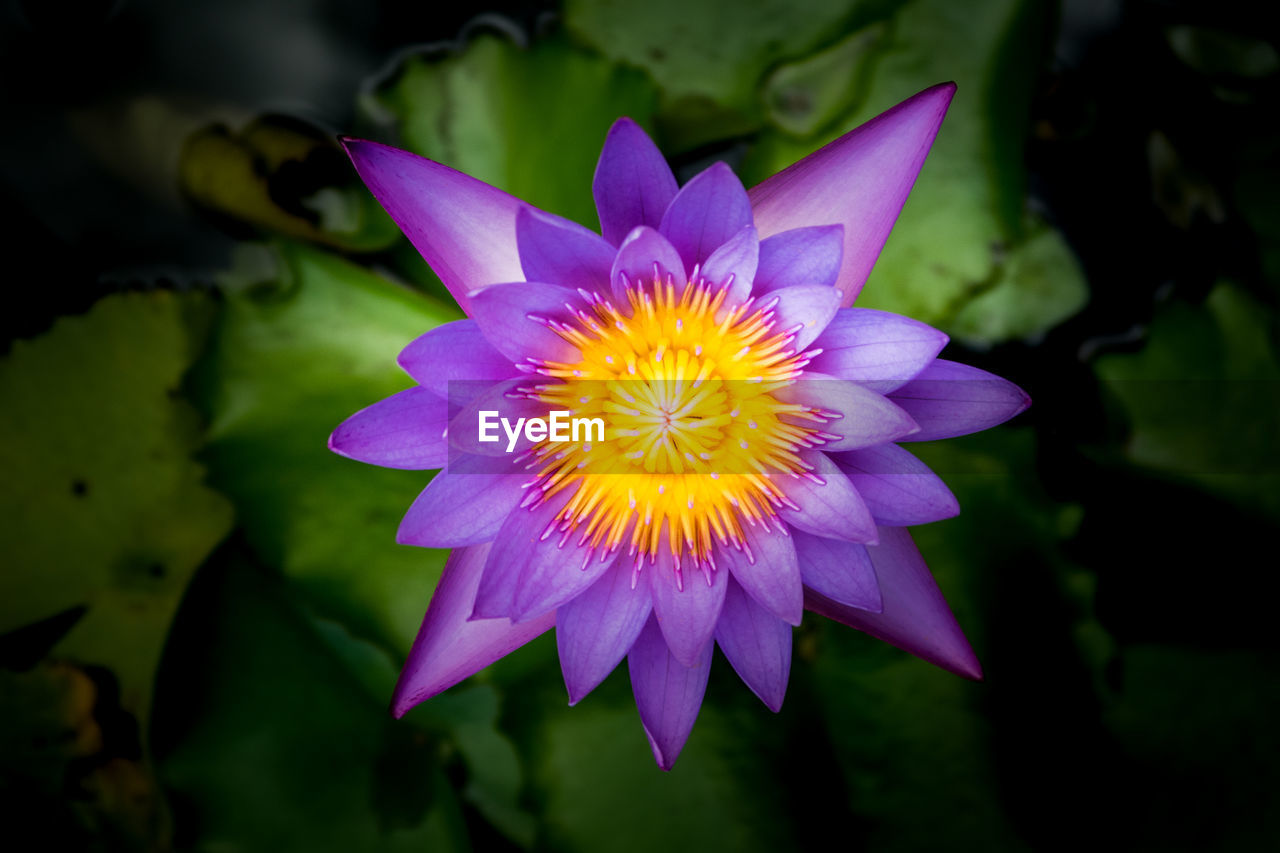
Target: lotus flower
x,y
749,467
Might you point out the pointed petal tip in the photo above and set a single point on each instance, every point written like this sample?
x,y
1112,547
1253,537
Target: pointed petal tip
x,y
623,124
661,760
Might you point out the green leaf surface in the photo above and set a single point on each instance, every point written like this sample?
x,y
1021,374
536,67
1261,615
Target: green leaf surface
x,y
285,177
305,340
599,781
1203,397
926,754
714,51
307,763
1198,727
101,504
1039,284
962,236
529,120
915,748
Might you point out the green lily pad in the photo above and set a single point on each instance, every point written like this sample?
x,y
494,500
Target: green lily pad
x,y
285,177
1203,397
962,236
802,97
101,503
716,51
1198,728
528,120
1039,285
596,784
271,744
305,340
926,754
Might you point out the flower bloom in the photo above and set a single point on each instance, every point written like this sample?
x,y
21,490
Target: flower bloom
x,y
748,468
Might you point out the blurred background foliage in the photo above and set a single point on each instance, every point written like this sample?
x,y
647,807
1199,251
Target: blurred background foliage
x,y
202,611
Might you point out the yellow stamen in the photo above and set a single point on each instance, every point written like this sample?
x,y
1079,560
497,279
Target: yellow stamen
x,y
694,436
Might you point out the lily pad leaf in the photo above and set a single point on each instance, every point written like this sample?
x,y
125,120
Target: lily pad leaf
x,y
285,177
101,504
306,339
485,109
309,762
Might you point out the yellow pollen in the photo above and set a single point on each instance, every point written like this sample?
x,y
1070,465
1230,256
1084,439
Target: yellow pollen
x,y
694,435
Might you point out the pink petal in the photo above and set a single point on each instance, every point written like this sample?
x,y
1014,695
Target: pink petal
x,y
899,489
559,251
949,399
800,256
464,228
507,399
644,254
864,418
633,183
735,262
877,349
805,309
757,644
860,181
767,570
406,430
460,509
686,610
595,631
915,616
706,212
830,507
838,570
455,352
535,566
449,646
668,693
513,318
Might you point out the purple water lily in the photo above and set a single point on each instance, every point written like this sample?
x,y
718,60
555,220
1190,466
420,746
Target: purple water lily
x,y
748,467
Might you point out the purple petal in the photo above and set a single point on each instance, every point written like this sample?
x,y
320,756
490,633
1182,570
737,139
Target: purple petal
x,y
449,647
685,605
464,228
513,318
559,251
949,399
830,507
642,251
875,348
633,183
559,577
406,430
767,569
735,262
804,310
915,615
454,352
706,212
838,570
757,644
461,509
865,418
800,256
595,631
899,489
668,693
507,400
534,562
860,180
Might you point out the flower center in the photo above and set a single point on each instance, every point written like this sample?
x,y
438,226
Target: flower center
x,y
694,430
